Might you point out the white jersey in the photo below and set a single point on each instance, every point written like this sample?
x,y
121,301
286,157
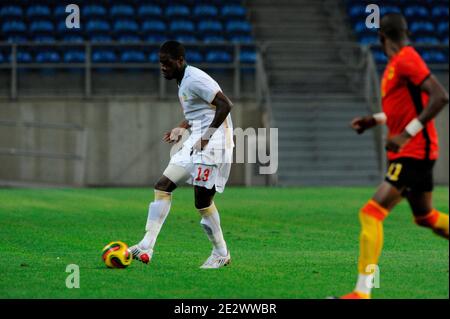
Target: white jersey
x,y
196,92
211,166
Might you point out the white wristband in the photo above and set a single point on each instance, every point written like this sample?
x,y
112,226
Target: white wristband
x,y
380,118
414,127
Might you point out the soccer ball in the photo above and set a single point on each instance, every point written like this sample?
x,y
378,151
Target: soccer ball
x,y
116,255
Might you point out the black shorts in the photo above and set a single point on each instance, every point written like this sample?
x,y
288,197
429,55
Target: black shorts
x,y
411,175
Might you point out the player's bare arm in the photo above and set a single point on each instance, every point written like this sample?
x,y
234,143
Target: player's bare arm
x,y
438,100
176,133
223,108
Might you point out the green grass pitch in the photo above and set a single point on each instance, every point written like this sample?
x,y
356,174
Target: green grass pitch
x,y
285,243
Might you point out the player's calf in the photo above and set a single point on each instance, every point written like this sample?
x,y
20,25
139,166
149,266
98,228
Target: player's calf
x,y
437,221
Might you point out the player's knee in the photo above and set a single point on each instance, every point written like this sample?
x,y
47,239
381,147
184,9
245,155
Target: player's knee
x,y
202,202
165,185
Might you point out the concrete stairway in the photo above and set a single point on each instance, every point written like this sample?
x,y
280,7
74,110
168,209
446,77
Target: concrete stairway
x,y
316,88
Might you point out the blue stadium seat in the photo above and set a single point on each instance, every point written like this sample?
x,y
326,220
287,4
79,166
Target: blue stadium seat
x,y
238,27
3,59
133,56
97,26
205,11
186,38
241,38
104,56
442,28
125,26
422,27
100,38
214,38
153,57
121,11
218,56
360,27
38,11
416,11
194,56
153,26
41,26
385,9
93,11
11,12
14,26
434,56
440,12
16,38
50,56
149,11
156,38
174,11
24,57
233,11
77,38
74,56
129,38
368,39
248,56
427,39
379,57
209,26
182,26
356,11
44,38
60,12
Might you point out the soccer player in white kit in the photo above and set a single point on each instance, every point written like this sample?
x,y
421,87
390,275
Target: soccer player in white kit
x,y
204,159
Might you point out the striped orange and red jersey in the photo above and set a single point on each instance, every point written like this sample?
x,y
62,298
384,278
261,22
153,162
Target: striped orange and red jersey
x,y
403,100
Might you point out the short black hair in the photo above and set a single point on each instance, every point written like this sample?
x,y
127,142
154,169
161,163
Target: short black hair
x,y
173,48
394,26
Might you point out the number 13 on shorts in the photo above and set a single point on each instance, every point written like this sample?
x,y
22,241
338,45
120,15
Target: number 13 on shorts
x,y
205,175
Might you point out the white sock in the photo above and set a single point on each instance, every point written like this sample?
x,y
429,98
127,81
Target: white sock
x,y
157,213
211,224
364,283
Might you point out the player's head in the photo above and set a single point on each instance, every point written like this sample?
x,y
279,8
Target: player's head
x,y
171,59
393,28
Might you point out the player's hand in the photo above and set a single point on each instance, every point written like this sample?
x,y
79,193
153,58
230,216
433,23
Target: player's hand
x,y
174,135
199,145
360,124
396,143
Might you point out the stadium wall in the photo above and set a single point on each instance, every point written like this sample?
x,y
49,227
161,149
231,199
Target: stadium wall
x,y
120,139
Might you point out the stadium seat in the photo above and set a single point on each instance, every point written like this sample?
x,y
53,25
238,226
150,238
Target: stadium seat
x,y
368,39
43,38
125,26
11,12
72,38
356,11
147,11
74,56
103,56
442,28
41,26
422,27
186,38
121,11
135,56
194,56
440,12
155,38
94,26
248,56
379,57
241,38
214,38
100,38
182,26
233,11
177,11
2,58
129,38
14,26
16,38
60,12
38,11
427,40
238,27
50,56
24,57
434,56
416,11
153,26
205,11
153,57
93,11
209,26
218,56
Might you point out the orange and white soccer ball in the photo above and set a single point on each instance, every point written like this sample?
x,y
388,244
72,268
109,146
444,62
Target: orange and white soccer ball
x,y
116,255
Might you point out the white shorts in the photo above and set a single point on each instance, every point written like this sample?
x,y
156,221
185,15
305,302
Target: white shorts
x,y
208,168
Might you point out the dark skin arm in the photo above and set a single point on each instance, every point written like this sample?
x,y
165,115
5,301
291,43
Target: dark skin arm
x,y
223,108
438,100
